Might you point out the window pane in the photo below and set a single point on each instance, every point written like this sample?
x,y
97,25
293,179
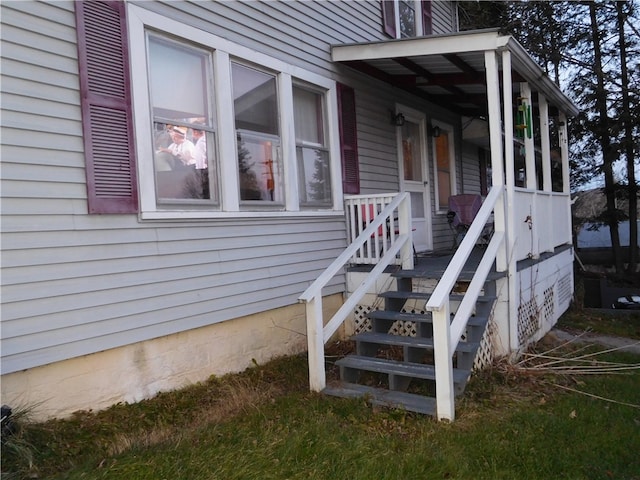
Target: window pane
x,y
443,163
181,164
255,100
307,114
315,178
260,168
178,80
411,155
407,19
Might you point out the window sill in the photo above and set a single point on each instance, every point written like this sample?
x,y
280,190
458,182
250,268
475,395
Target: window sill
x,y
202,215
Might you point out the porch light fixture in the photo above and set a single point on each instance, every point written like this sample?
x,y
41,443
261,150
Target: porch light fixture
x,y
397,119
435,131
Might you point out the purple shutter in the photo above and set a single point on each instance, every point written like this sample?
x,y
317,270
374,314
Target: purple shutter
x,y
388,18
348,139
427,18
106,107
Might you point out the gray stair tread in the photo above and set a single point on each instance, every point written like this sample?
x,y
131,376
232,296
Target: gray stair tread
x,y
402,340
477,321
437,275
425,296
404,316
388,398
405,369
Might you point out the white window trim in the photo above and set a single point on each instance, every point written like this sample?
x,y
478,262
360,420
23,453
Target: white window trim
x,y
452,165
223,50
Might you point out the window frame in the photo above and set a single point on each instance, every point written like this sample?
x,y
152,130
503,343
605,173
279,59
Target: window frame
x,y
324,146
223,53
422,13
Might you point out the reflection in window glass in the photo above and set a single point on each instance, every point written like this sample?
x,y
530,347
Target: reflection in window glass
x,y
407,19
256,118
443,165
260,168
314,177
184,136
411,155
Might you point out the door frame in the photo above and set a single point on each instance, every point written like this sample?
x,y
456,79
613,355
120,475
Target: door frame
x,y
420,118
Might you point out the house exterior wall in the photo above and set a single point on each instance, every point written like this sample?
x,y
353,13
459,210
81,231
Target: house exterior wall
x,y
75,284
138,371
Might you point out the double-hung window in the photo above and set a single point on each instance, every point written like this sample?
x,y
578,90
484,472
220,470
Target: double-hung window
x,y
406,18
180,85
222,130
255,106
312,154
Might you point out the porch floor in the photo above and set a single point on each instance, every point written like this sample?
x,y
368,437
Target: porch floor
x,y
433,264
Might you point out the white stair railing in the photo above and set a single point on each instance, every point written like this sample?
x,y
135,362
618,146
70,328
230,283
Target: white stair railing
x,y
446,335
379,236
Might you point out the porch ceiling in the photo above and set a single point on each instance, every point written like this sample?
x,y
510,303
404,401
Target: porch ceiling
x,y
449,70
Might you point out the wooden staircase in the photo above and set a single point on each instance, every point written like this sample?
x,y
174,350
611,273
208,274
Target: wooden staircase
x,y
398,371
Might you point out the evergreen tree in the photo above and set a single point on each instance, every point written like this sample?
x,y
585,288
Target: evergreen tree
x,y
586,47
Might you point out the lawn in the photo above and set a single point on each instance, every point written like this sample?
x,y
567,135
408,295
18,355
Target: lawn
x,y
512,423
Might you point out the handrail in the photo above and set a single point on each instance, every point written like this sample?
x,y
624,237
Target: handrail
x,y
317,332
346,255
446,335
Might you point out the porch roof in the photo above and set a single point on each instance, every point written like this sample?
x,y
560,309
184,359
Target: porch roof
x,y
449,70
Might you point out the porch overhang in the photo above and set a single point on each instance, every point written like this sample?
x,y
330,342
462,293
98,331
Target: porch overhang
x,y
449,70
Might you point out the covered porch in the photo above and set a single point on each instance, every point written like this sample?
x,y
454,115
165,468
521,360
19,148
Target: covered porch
x,y
508,106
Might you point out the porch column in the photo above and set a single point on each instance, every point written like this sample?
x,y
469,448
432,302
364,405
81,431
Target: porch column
x,y
496,145
564,151
529,145
545,142
510,203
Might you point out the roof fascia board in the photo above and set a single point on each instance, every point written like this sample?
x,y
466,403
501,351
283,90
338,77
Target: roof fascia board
x,y
533,74
413,47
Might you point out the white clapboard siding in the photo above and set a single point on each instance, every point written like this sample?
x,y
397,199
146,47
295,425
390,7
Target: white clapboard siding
x,y
74,283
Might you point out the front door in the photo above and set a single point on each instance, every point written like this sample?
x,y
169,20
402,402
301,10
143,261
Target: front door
x,y
413,174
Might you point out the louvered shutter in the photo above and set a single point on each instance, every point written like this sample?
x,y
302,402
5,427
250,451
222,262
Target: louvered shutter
x,y
388,17
106,107
348,139
427,18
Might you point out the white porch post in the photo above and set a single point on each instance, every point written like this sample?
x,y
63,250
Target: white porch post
x,y
495,139
315,344
510,239
443,360
530,171
545,142
564,152
404,227
529,145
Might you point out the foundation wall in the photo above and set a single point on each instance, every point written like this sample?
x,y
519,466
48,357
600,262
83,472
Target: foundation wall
x,y
139,371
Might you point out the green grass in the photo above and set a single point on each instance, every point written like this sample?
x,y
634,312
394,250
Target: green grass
x,y
599,321
264,424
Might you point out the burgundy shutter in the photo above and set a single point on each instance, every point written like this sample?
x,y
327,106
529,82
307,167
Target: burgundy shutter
x,y
348,139
427,18
106,107
388,18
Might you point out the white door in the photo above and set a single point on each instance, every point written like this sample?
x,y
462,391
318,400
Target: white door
x,y
412,148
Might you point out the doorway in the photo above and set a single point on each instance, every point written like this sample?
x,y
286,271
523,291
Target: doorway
x,y
414,177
